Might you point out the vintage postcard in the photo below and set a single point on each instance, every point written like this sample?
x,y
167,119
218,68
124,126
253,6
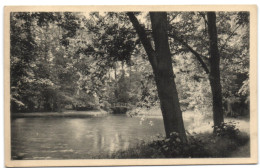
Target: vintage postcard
x,y
130,85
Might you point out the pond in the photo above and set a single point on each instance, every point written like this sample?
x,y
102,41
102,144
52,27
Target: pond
x,y
78,138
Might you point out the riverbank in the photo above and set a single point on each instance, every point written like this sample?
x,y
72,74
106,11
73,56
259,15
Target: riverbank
x,y
69,114
199,146
154,112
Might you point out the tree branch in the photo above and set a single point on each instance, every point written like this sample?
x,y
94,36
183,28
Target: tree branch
x,y
197,55
145,41
173,17
223,46
203,16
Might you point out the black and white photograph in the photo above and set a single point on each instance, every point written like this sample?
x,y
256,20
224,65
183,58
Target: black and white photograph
x,y
130,84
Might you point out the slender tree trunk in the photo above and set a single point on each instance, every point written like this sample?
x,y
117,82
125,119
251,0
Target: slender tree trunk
x,y
115,72
160,59
214,75
130,73
115,91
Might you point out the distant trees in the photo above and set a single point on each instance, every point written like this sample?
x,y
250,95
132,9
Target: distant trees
x,y
22,53
44,74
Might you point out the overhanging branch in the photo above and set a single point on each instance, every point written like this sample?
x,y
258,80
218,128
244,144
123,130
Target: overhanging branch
x,y
223,46
145,41
197,55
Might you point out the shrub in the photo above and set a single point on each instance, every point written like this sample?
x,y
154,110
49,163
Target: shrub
x,y
227,130
174,147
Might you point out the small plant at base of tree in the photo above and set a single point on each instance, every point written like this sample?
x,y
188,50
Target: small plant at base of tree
x,y
173,147
227,130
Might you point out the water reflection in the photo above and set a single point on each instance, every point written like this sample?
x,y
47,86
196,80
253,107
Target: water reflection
x,y
79,126
70,138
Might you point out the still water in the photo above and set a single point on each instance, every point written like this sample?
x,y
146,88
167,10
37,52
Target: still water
x,y
78,138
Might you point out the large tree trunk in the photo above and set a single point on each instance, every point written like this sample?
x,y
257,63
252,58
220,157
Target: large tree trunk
x,y
164,77
214,75
161,62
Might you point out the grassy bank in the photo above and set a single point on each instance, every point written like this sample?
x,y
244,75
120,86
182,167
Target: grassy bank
x,y
69,114
199,146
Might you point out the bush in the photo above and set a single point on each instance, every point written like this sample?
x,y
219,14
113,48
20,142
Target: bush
x,y
106,106
227,130
173,147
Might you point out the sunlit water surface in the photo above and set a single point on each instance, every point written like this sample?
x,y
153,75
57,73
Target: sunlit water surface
x,y
78,138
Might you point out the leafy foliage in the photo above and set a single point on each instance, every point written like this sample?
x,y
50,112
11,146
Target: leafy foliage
x,y
227,130
174,147
233,34
66,58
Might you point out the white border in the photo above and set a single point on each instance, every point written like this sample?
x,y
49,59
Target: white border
x,y
100,2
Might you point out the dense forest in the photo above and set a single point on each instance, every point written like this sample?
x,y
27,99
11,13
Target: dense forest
x,y
178,61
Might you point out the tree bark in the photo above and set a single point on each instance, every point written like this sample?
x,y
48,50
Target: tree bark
x,y
214,75
160,59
